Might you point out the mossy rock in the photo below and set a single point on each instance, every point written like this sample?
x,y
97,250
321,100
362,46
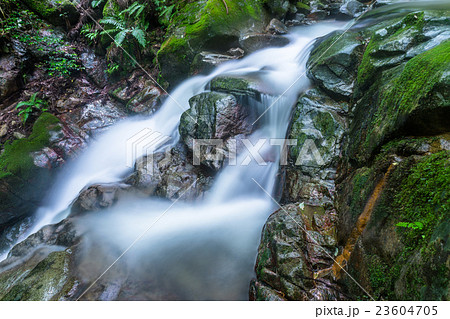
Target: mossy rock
x,y
50,279
412,98
236,86
22,184
403,263
57,12
333,63
212,29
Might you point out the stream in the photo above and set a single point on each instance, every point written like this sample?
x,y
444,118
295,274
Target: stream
x,y
204,250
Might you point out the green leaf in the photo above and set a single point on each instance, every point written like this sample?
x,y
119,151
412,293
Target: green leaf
x,y
139,35
402,224
120,37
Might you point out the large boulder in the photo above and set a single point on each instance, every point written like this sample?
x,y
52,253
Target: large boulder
x,y
402,253
297,247
333,63
215,116
411,97
207,25
10,81
28,164
170,174
58,12
318,126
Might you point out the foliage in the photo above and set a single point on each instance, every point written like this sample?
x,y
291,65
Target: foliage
x,y
32,105
129,23
90,33
96,3
25,27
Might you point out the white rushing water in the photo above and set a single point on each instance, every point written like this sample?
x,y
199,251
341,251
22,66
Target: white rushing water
x,y
204,250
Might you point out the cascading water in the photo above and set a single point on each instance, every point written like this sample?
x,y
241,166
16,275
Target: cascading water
x,y
204,250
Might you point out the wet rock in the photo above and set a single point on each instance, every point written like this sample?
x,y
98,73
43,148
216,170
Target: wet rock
x,y
333,64
61,13
97,197
3,130
129,88
213,29
170,174
26,166
236,52
295,250
394,104
256,41
205,62
276,27
49,279
148,101
318,125
389,261
61,235
9,76
98,115
316,15
95,67
214,116
238,86
353,8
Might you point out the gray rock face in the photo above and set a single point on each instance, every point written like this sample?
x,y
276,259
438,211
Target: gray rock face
x,y
97,197
294,257
147,101
256,41
214,116
204,62
9,76
333,64
318,126
276,27
98,115
95,67
170,175
352,8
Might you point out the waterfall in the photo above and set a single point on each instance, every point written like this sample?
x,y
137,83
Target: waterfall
x,y
203,250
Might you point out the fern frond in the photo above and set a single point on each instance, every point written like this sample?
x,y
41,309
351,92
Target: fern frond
x,y
139,35
119,24
120,37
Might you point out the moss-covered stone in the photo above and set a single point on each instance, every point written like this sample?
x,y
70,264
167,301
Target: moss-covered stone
x,y
412,97
49,280
22,184
333,63
212,29
57,12
401,263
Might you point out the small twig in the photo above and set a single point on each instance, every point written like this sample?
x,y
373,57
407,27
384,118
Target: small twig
x,y
226,7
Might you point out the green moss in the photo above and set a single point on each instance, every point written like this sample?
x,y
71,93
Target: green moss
x,y
205,25
417,190
412,24
111,8
16,158
425,196
45,282
418,78
55,11
325,123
